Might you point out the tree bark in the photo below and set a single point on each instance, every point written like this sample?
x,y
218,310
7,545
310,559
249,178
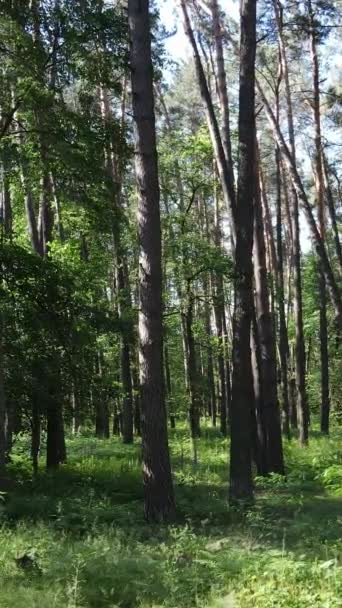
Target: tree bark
x,y
122,283
194,395
222,91
332,213
265,329
319,183
158,487
283,336
241,485
226,183
3,416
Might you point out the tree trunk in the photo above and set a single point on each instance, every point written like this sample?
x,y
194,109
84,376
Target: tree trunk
x,y
332,213
265,329
3,442
122,282
211,394
194,406
5,204
158,487
302,405
259,433
168,387
319,183
283,337
218,312
225,178
222,91
241,485
35,434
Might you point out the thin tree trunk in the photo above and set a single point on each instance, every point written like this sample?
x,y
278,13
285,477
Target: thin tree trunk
x,y
265,329
302,405
159,496
222,91
194,405
168,387
332,213
3,415
5,204
319,183
226,183
283,337
220,357
259,433
35,434
211,395
241,485
123,288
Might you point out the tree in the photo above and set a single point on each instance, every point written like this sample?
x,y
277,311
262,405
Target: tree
x,y
159,498
241,486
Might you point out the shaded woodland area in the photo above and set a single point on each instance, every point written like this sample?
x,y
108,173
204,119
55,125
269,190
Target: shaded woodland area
x,y
170,305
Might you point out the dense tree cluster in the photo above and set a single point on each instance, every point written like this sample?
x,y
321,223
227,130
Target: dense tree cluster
x,y
152,230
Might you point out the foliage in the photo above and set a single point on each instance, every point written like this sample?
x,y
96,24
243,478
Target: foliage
x,y
82,528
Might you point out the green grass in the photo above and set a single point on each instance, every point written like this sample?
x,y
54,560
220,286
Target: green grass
x,y
89,547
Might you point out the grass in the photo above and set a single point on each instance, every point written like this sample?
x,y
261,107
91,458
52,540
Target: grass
x,y
77,539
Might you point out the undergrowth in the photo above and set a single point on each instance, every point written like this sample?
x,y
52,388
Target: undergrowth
x,y
77,539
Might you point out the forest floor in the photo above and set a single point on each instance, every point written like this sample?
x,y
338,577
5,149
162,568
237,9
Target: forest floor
x,y
77,539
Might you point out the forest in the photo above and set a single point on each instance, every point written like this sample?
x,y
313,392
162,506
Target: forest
x,y
170,304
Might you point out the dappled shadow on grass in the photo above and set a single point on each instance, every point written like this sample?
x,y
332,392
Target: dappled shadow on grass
x,y
86,524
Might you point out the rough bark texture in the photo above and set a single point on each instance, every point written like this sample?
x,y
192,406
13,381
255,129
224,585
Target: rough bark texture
x,y
241,486
159,497
265,329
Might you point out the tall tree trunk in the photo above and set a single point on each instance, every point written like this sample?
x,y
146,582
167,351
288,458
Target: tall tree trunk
x,y
5,204
35,433
122,282
194,395
283,337
3,414
211,394
319,183
168,386
302,405
265,329
226,183
101,400
259,433
222,90
332,212
241,485
220,357
159,496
